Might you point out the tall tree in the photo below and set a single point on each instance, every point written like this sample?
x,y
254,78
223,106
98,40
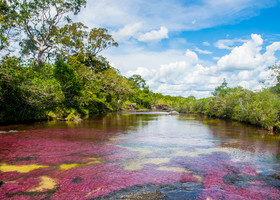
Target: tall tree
x,y
40,19
221,90
74,39
9,18
276,75
138,80
99,40
71,38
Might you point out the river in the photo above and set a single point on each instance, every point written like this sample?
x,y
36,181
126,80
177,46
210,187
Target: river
x,y
139,156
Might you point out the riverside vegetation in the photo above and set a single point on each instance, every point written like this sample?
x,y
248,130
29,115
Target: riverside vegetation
x,y
59,73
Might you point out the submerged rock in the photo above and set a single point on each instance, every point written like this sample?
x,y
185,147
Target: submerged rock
x,y
276,176
77,180
10,131
152,195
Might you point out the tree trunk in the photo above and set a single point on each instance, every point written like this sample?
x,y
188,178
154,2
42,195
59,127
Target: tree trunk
x,y
40,55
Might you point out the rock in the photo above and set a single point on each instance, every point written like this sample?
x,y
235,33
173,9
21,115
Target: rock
x,y
160,107
152,195
1,183
71,120
10,131
173,113
276,176
77,180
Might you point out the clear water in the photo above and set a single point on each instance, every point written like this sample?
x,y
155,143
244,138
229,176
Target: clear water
x,y
129,155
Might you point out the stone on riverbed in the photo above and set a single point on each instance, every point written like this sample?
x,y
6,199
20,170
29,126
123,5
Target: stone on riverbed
x,y
152,195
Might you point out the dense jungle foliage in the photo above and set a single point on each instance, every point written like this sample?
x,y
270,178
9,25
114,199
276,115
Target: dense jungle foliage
x,y
59,73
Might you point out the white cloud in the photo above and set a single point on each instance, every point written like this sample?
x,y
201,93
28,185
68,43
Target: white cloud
x,y
154,35
270,53
244,57
203,51
191,56
142,71
130,30
216,58
224,44
184,78
245,75
228,44
206,43
133,30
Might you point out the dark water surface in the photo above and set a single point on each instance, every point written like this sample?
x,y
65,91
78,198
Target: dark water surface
x,y
139,156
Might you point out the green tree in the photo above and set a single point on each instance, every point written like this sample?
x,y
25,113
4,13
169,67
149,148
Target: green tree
x,y
276,75
71,84
40,19
74,40
221,90
98,40
8,21
139,82
26,94
70,39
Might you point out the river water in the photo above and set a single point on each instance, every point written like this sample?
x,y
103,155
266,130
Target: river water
x,y
139,156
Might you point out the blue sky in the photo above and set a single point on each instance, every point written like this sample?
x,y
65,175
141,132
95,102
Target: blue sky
x,y
188,47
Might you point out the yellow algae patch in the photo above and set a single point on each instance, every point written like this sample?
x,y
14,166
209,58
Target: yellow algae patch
x,y
199,178
184,153
73,165
117,138
173,169
142,151
94,191
156,161
20,168
138,165
68,166
134,166
46,183
95,160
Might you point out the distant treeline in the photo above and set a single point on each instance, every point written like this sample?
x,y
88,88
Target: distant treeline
x,y
257,108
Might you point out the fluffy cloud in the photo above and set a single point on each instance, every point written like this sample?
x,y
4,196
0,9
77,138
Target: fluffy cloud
x,y
133,30
191,56
203,51
130,30
270,53
227,44
186,77
154,35
243,57
206,43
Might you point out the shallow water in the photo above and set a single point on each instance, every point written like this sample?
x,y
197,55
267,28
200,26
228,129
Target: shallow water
x,y
121,155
